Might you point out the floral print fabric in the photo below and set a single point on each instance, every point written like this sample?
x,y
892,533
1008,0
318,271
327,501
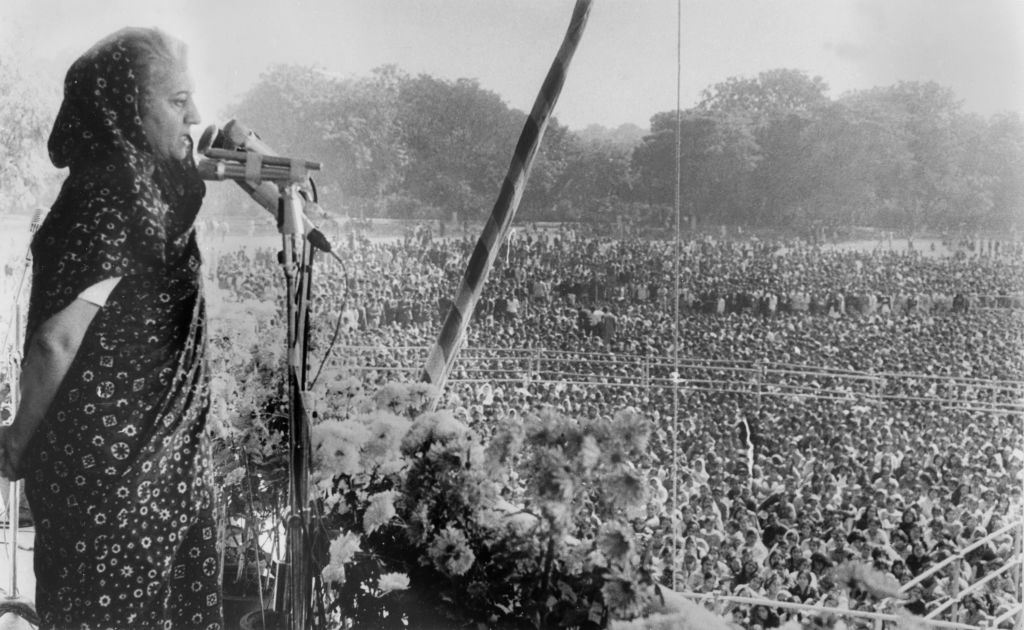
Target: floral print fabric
x,y
117,474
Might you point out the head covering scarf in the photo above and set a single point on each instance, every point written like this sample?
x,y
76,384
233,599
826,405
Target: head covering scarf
x,y
121,210
100,115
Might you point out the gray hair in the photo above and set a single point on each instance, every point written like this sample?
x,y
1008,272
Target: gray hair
x,y
154,55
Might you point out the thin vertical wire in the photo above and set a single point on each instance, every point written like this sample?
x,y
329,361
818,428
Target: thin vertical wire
x,y
1020,574
675,298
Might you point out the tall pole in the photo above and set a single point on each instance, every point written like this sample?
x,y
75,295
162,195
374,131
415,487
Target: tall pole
x,y
442,354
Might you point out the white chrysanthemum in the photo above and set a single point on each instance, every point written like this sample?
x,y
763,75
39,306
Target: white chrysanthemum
x,y
380,511
623,595
504,444
626,488
419,393
447,427
392,395
388,582
337,444
386,433
633,429
451,553
432,426
616,542
343,549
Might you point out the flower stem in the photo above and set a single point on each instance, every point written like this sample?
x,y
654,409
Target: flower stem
x,y
545,586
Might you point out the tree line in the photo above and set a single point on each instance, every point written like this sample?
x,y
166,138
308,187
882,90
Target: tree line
x,y
772,150
769,151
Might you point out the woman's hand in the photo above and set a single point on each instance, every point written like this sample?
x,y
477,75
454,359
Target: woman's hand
x,y
13,442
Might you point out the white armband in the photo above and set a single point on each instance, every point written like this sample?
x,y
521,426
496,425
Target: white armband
x,y
98,293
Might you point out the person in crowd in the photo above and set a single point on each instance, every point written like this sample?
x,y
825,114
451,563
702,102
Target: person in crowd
x,y
109,432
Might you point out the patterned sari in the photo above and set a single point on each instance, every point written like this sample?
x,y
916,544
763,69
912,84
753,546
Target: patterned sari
x,y
117,475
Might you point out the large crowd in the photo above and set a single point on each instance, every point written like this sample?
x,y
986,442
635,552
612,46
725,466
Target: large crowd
x,y
887,426
812,404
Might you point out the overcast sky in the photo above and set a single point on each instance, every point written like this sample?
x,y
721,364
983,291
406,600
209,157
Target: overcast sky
x,y
624,70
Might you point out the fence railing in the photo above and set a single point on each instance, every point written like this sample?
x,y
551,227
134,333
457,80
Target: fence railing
x,y
955,561
877,619
525,367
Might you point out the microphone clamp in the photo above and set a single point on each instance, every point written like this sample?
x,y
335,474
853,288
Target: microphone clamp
x,y
254,170
270,160
238,154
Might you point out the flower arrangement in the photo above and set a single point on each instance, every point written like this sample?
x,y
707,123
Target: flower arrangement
x,y
531,524
427,520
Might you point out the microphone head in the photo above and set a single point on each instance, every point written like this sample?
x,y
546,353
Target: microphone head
x,y
37,219
211,139
239,137
235,134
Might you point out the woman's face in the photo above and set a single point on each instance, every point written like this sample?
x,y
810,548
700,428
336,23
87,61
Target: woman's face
x,y
169,113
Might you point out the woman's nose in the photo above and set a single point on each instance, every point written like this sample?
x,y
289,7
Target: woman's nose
x,y
192,116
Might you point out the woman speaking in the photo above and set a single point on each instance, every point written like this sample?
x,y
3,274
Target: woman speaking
x,y
109,433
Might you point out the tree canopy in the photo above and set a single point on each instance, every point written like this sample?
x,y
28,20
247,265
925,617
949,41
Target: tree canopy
x,y
26,112
772,150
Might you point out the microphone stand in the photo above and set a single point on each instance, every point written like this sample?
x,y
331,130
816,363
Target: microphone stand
x,y
298,275
295,597
12,489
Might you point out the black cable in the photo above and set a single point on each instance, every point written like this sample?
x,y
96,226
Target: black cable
x,y
337,327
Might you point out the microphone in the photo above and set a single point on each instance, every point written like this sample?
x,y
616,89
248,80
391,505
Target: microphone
x,y
238,137
235,137
37,220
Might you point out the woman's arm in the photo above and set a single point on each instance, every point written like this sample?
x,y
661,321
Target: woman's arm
x,y
49,355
